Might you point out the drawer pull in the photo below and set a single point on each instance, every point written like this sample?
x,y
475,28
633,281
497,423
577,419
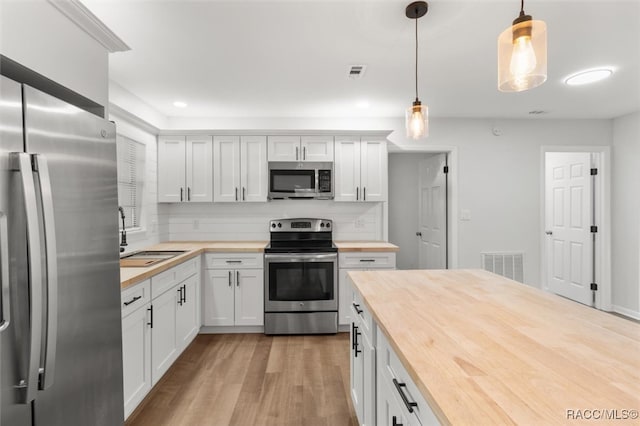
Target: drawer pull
x,y
367,260
356,333
406,401
357,308
394,422
230,275
132,300
150,309
233,261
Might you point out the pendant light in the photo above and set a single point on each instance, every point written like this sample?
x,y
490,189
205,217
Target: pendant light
x,y
522,54
417,115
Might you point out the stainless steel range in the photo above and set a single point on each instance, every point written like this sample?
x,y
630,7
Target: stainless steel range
x,y
301,278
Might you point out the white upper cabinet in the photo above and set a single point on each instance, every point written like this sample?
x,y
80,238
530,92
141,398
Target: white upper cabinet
x,y
296,148
185,167
317,148
240,165
360,169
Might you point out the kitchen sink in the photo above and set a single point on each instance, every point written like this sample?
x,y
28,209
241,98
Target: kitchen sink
x,y
143,259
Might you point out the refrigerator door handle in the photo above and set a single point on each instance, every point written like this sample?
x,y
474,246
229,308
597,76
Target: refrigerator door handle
x,y
21,162
4,265
48,373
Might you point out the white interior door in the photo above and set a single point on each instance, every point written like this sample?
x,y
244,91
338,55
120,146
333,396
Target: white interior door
x,y
433,213
568,207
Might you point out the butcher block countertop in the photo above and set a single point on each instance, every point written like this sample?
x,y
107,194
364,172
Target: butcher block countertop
x,y
483,349
365,246
131,276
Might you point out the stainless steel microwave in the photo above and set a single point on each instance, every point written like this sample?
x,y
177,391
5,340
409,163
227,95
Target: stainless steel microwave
x,y
292,179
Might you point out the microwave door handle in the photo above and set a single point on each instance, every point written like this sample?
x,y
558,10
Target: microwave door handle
x,y
52,271
4,265
21,162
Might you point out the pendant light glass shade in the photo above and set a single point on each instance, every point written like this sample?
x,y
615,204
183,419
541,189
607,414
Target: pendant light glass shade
x,y
417,121
522,55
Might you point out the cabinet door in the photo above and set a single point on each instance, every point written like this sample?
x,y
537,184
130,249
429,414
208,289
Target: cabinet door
x,y
344,297
253,168
226,169
249,303
164,348
171,169
199,169
284,148
357,372
388,408
347,169
218,300
373,170
317,148
136,358
188,318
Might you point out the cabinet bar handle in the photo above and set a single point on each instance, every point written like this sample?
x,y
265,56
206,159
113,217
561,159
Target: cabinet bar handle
x,y
353,335
357,193
150,309
364,193
188,193
132,300
181,193
406,401
367,260
184,293
243,191
296,152
236,194
233,261
304,152
394,422
356,333
237,278
230,278
357,308
180,296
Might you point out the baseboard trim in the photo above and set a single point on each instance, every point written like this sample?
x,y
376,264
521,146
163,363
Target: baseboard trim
x,y
232,329
626,312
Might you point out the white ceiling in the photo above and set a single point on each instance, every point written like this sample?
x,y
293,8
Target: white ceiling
x,y
290,58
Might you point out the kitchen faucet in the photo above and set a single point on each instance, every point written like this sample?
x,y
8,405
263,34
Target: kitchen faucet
x,y
123,234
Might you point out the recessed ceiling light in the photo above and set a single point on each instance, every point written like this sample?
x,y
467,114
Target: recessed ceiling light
x,y
363,104
180,104
589,76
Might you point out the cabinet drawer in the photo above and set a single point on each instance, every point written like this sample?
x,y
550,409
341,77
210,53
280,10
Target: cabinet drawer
x,y
389,368
167,279
234,260
134,297
367,260
360,310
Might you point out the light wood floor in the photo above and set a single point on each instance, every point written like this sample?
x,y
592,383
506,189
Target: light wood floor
x,y
253,379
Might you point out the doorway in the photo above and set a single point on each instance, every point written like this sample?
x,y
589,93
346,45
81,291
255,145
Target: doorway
x,y
420,209
575,224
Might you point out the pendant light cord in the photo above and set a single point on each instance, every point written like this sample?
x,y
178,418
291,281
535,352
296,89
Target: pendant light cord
x,y
417,58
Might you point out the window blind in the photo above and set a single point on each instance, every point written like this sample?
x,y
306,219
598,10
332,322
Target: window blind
x,y
131,169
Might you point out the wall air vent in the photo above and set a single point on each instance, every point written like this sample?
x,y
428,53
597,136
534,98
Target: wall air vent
x,y
537,112
356,71
508,265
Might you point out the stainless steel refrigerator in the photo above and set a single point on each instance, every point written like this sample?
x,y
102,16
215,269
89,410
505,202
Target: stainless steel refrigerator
x,y
61,338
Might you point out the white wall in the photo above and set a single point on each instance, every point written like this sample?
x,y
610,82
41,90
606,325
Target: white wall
x,y
404,183
625,215
122,98
250,221
38,36
153,231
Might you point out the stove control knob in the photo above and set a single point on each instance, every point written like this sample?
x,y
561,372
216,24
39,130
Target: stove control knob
x,y
328,225
273,225
321,224
279,225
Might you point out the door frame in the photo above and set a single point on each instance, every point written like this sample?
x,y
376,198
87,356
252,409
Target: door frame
x,y
603,211
452,194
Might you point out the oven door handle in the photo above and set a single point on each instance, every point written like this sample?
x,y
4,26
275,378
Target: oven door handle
x,y
318,257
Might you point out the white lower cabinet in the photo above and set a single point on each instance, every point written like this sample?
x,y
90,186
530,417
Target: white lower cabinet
x,y
136,346
357,261
161,316
233,290
363,364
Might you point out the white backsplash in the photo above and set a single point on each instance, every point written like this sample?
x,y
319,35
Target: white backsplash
x,y
250,221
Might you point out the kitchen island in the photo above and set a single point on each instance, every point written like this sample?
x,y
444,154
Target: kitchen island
x,y
482,349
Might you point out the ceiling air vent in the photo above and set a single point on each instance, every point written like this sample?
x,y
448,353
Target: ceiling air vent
x,y
357,71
